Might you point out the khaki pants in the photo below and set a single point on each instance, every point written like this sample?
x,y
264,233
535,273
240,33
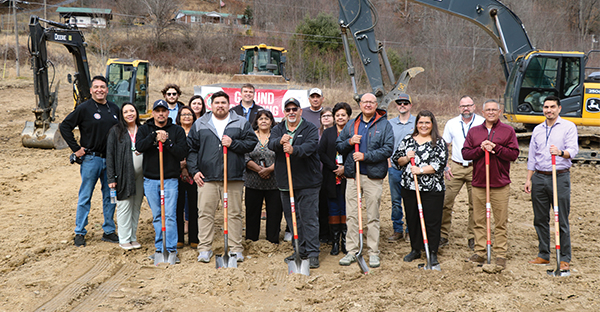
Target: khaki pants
x,y
499,203
462,176
209,197
371,197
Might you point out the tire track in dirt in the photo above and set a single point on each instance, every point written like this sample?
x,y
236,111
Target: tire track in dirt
x,y
98,296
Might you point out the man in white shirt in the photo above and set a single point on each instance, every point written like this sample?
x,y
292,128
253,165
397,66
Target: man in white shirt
x,y
459,172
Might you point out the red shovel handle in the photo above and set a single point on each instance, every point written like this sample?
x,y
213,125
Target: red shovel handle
x,y
412,161
553,160
487,157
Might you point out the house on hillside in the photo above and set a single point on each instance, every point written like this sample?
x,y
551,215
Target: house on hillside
x,y
200,17
85,17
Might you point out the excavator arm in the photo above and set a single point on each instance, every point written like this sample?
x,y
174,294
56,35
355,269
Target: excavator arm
x,y
42,133
496,20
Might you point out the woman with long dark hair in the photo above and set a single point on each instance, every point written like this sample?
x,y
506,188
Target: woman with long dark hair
x,y
260,184
429,150
188,190
125,174
197,105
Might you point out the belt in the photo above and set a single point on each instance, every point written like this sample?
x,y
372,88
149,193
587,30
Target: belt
x,y
460,164
550,172
98,154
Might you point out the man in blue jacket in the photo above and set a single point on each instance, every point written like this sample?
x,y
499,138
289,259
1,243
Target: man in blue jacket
x,y
375,138
300,139
209,134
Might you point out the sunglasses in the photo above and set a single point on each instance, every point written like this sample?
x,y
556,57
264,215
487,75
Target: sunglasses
x,y
171,93
402,103
291,109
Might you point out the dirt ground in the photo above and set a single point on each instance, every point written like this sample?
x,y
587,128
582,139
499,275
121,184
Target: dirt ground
x,y
41,269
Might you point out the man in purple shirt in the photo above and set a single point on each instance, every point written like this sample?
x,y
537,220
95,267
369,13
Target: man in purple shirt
x,y
558,137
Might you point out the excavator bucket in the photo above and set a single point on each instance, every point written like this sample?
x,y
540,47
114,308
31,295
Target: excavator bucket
x,y
40,137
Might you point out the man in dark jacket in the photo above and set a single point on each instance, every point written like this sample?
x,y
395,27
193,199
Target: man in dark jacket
x,y
247,108
206,140
161,128
375,138
501,142
94,118
300,139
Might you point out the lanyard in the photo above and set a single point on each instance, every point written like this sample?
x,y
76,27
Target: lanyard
x,y
462,127
549,132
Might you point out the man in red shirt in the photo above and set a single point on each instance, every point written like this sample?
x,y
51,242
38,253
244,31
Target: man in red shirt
x,y
500,141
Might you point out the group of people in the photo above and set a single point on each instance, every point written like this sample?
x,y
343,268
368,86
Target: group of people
x,y
323,146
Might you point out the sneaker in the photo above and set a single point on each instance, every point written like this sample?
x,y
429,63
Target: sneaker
x,y
194,245
238,255
290,258
444,242
288,237
396,237
374,261
348,259
501,262
539,261
111,238
126,246
313,262
136,245
205,256
475,258
79,240
471,243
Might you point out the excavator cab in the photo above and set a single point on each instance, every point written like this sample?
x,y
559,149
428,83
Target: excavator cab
x,y
262,60
128,82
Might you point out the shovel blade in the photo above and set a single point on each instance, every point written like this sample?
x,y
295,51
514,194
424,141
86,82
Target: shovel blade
x,y
171,258
299,267
425,266
362,264
558,273
219,262
232,262
159,257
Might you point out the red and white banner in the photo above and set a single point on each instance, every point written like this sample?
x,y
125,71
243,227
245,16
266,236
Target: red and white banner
x,y
270,99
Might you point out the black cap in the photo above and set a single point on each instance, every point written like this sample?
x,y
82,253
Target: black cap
x,y
292,101
160,103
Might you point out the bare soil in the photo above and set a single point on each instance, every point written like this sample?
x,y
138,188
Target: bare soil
x,y
40,267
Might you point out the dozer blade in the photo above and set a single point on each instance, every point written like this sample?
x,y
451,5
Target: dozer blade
x,y
38,138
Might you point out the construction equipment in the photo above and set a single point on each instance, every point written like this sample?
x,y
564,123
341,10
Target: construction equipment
x,y
262,66
128,83
43,132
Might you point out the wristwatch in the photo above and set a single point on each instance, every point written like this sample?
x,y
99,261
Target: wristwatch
x,y
562,153
421,170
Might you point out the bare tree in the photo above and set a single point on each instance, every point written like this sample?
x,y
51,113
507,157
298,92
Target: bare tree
x,y
163,13
130,10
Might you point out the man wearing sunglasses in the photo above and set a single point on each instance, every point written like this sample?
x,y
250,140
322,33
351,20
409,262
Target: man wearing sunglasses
x,y
458,171
171,92
300,139
403,125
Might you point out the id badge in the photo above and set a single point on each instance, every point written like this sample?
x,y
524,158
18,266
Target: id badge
x,y
465,164
339,159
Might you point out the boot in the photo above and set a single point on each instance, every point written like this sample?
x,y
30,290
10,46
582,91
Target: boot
x,y
434,260
335,232
344,230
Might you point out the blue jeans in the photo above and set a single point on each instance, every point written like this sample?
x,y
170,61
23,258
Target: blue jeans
x,y
394,178
152,192
93,168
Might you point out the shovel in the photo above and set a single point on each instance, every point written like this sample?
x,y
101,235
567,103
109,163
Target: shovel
x,y
165,256
426,266
558,271
359,258
225,261
488,207
298,265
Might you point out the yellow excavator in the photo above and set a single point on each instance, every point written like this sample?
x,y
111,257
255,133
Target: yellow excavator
x,y
127,81
532,74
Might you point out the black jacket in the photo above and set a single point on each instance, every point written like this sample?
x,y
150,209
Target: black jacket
x,y
238,109
206,151
119,164
94,121
327,153
304,160
380,148
174,149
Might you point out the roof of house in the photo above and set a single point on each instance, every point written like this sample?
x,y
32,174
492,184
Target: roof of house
x,y
83,10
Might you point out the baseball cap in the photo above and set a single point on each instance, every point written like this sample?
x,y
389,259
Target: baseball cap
x,y
292,101
403,97
160,103
315,91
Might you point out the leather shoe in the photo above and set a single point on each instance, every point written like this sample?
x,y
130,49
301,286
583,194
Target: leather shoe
x,y
396,237
179,245
539,261
564,266
414,254
290,258
471,243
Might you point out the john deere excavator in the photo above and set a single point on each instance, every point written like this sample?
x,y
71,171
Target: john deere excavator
x,y
532,74
127,80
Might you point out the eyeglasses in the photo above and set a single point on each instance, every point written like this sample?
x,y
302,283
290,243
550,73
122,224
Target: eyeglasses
x,y
465,106
491,110
402,103
327,116
187,115
291,109
171,93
